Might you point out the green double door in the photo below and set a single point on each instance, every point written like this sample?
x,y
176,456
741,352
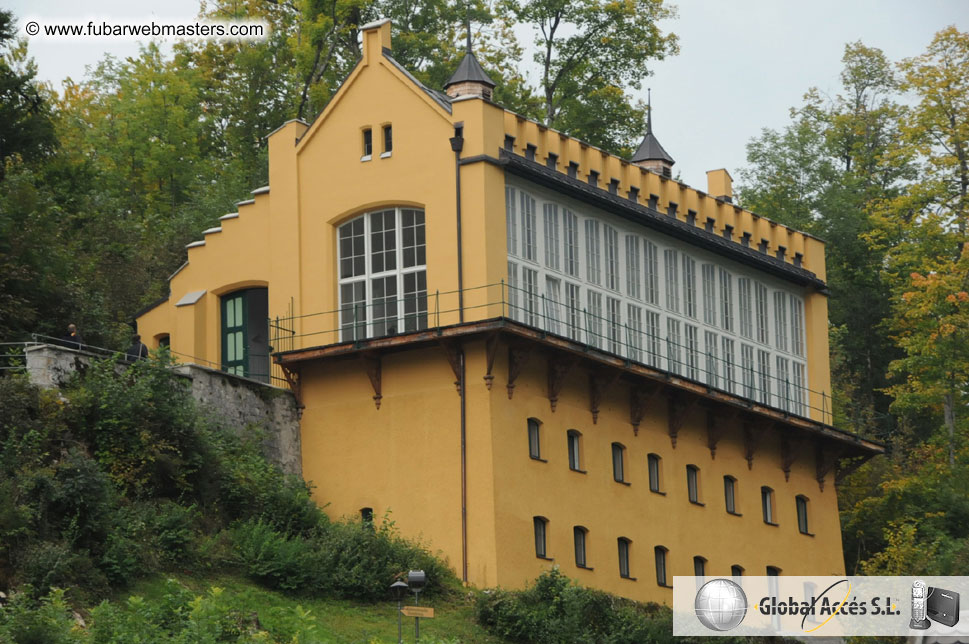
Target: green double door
x,y
245,333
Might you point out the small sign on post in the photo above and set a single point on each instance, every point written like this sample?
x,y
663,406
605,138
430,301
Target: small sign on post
x,y
417,611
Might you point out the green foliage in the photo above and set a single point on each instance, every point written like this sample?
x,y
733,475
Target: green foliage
x,y
555,610
26,621
916,521
589,52
26,129
352,560
124,476
278,561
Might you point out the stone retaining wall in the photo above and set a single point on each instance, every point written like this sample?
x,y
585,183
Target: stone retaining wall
x,y
233,401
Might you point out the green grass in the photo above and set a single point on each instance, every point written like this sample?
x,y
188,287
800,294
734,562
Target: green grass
x,y
337,621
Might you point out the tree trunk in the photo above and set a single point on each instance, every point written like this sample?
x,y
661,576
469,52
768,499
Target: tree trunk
x,y
950,422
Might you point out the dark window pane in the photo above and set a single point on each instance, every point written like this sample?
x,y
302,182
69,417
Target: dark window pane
x,y
534,448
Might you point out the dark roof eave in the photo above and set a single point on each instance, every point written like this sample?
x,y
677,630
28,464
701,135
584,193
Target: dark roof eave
x,y
662,223
347,350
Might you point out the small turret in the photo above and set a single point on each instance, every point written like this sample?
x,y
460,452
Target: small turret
x,y
469,79
650,153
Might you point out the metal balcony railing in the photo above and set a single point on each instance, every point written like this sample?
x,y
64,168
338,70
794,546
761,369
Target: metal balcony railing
x,y
387,317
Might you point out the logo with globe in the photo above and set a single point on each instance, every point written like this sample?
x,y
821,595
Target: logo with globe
x,y
720,604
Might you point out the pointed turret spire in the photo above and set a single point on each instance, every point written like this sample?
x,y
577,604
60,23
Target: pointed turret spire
x,y
650,153
470,78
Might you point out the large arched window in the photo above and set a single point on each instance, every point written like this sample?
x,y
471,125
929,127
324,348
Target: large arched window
x,y
382,274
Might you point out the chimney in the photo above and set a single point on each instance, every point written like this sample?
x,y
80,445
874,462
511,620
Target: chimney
x,y
720,184
376,38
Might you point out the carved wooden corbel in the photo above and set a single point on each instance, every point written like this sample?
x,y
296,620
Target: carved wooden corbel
x,y
558,370
452,350
678,408
491,350
824,462
753,432
716,428
372,364
517,357
598,383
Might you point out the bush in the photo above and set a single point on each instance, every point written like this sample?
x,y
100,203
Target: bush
x,y
46,565
272,558
363,560
250,487
25,621
555,610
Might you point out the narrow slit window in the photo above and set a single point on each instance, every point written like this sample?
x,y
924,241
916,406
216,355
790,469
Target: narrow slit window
x,y
388,139
367,144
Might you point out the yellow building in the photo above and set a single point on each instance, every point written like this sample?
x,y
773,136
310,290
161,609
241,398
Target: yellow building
x,y
526,350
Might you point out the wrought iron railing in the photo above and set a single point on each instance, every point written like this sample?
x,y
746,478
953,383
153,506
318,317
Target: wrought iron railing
x,y
660,351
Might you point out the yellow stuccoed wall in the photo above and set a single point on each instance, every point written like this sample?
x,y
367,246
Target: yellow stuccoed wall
x,y
404,458
525,488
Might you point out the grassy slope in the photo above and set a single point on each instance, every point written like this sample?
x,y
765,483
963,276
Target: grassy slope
x,y
338,621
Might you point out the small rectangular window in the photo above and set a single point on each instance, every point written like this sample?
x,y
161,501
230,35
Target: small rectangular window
x,y
530,152
729,496
573,170
633,194
579,534
534,444
652,463
691,217
624,558
367,144
728,232
736,572
614,186
552,160
781,252
593,178
574,454
802,515
699,567
745,240
509,142
671,209
388,139
540,525
617,462
798,259
767,504
711,222
692,484
653,201
660,552
763,246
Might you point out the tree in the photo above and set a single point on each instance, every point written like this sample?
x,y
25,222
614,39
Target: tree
x,y
828,173
25,123
590,52
939,125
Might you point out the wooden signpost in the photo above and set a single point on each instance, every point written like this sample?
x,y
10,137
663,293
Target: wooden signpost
x,y
417,611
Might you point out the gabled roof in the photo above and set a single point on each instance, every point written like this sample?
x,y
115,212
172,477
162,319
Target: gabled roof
x,y
469,71
441,98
